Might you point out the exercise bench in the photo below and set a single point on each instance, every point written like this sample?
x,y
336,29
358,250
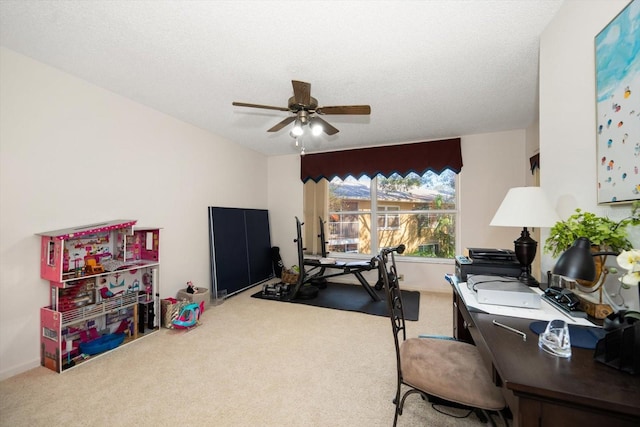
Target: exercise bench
x,y
317,269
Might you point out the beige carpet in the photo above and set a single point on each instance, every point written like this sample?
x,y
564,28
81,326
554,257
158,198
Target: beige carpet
x,y
250,363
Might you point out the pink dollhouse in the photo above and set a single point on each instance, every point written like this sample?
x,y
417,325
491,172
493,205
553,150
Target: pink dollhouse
x,y
94,272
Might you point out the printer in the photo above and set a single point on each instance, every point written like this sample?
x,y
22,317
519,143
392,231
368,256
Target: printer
x,y
495,262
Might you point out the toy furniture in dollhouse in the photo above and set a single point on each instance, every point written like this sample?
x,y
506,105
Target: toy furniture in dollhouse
x,y
92,267
94,275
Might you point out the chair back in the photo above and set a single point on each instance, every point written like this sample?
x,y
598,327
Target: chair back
x,y
389,275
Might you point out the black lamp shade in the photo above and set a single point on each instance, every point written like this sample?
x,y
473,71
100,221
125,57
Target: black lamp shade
x,y
577,261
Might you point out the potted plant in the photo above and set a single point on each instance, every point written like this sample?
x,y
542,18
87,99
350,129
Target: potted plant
x,y
604,233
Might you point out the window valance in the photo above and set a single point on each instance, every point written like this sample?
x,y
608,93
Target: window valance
x,y
416,157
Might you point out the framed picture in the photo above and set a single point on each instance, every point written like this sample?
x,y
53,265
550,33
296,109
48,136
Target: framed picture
x,y
617,57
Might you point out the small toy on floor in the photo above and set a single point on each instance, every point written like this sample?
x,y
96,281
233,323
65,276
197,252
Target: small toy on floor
x,y
189,316
191,289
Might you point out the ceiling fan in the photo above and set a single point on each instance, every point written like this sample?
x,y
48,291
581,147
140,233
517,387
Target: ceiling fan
x,y
305,110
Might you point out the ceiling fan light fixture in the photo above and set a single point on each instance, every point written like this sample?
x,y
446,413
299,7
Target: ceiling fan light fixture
x,y
316,128
297,128
303,108
303,116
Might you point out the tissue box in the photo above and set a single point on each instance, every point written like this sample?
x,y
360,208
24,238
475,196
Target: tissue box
x,y
200,296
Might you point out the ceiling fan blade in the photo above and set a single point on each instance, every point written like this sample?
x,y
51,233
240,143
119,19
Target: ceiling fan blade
x,y
282,124
268,107
301,92
326,127
344,109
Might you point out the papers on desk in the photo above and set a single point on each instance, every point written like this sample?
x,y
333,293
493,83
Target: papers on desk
x,y
545,312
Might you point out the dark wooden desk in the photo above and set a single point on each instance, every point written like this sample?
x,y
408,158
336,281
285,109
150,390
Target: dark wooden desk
x,y
543,390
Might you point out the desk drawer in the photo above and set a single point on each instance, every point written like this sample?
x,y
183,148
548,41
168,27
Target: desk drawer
x,y
460,321
477,339
465,328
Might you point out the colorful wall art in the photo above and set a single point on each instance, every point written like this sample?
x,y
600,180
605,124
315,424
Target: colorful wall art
x,y
617,53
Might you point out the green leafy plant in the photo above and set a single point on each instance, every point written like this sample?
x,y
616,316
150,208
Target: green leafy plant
x,y
601,231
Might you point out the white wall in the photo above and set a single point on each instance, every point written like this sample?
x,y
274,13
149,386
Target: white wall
x,y
493,163
567,113
73,154
285,203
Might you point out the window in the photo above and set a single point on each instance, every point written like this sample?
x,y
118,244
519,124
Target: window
x,y
419,211
388,221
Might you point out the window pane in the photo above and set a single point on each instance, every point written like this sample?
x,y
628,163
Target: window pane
x,y
349,225
427,192
350,195
349,233
428,235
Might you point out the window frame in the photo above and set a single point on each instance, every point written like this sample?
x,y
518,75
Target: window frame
x,y
373,212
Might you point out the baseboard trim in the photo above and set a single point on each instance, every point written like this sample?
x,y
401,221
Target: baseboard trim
x,y
15,370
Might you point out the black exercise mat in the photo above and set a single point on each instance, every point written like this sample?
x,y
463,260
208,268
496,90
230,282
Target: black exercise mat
x,y
342,296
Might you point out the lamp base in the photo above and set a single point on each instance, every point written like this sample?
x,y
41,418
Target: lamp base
x,y
528,279
525,249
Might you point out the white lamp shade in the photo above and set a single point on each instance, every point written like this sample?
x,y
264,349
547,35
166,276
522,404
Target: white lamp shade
x,y
525,207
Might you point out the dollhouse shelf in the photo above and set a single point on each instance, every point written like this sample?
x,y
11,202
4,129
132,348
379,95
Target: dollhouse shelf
x,y
71,277
111,305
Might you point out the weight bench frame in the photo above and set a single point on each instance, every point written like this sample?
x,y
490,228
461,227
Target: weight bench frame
x,y
312,269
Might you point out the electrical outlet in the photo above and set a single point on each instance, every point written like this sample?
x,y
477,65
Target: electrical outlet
x,y
400,277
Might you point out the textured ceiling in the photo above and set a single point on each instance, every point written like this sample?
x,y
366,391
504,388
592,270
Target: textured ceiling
x,y
429,69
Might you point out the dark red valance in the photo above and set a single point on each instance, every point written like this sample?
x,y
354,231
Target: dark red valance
x,y
417,157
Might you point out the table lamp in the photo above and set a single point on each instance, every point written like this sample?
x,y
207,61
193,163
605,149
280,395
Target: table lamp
x,y
525,207
577,261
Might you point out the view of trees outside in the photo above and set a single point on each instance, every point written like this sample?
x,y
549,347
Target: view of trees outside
x,y
417,211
